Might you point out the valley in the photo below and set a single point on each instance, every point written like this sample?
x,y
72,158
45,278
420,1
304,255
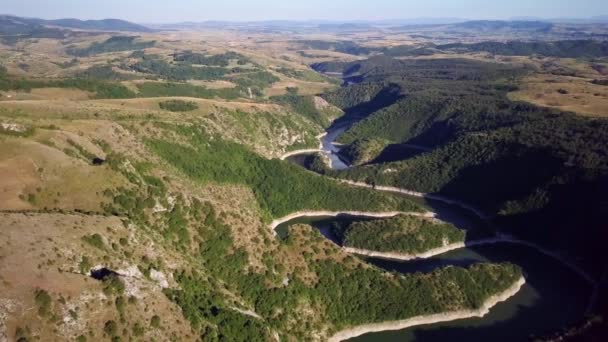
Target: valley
x,y
270,182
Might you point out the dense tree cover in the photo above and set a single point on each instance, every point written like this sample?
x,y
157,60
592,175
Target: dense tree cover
x,y
347,47
562,48
257,80
178,105
403,234
348,296
413,72
344,293
479,132
413,295
113,44
492,166
361,99
103,72
152,64
410,50
102,89
412,115
407,97
362,151
221,60
537,167
280,188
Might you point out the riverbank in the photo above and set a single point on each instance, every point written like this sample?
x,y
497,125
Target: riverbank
x,y
412,193
325,149
396,256
405,256
307,150
274,224
430,319
297,152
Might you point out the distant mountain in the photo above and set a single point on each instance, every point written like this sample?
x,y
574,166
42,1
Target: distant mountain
x,y
345,27
100,25
14,28
421,22
498,25
526,18
600,19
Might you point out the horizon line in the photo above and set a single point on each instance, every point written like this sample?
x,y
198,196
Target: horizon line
x,y
311,20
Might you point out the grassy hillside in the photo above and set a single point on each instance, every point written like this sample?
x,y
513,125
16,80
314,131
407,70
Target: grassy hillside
x,y
113,44
187,233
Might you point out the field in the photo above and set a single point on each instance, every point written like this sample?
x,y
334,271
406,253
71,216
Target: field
x,y
567,93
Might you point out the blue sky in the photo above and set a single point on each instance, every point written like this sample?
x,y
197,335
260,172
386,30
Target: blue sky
x,y
159,11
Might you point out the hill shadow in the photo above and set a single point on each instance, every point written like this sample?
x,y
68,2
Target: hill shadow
x,y
385,98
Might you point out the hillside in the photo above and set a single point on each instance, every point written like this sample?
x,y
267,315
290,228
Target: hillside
x,y
152,184
97,25
15,28
173,215
499,25
564,49
470,136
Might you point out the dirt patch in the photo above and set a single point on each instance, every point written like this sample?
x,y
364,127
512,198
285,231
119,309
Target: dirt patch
x,y
47,94
44,252
49,178
16,175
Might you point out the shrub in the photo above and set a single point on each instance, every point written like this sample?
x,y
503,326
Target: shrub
x,y
112,285
43,301
110,328
155,321
94,240
178,105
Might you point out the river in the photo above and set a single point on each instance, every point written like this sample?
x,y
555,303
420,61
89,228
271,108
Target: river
x,y
554,294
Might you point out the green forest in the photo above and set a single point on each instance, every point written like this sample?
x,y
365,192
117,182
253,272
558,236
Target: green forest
x,y
534,167
279,187
345,293
563,48
113,44
402,234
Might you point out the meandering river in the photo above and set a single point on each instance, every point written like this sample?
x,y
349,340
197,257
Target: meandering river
x,y
554,295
